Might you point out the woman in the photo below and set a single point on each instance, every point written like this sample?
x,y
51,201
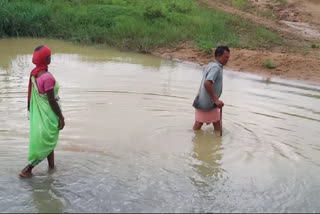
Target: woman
x,y
46,118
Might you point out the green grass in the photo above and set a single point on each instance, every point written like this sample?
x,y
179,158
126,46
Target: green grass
x,y
268,14
268,64
315,45
131,24
281,1
205,45
305,50
241,4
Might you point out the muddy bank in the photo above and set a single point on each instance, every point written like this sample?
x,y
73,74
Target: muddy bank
x,y
288,65
296,21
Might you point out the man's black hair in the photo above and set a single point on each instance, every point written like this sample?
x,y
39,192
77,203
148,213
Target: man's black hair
x,y
220,50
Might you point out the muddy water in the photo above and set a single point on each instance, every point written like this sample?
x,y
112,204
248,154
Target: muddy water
x,y
128,144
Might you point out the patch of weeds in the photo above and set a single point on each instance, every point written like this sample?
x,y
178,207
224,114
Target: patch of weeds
x,y
268,14
305,50
240,4
280,1
269,64
205,45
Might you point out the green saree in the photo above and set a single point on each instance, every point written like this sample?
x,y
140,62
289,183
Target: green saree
x,y
44,122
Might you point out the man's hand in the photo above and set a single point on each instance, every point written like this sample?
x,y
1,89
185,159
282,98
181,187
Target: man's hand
x,y
209,87
219,103
61,123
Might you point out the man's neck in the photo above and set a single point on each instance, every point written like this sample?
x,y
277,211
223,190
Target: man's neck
x,y
218,62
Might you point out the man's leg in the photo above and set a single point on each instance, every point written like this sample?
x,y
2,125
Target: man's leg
x,y
217,126
50,159
197,126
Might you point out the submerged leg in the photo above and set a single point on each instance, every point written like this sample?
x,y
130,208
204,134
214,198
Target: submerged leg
x,y
197,126
50,159
217,126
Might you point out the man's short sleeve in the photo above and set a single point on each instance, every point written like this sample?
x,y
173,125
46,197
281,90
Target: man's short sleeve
x,y
213,73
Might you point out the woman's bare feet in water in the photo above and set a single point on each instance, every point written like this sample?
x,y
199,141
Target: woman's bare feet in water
x,y
50,159
52,170
26,172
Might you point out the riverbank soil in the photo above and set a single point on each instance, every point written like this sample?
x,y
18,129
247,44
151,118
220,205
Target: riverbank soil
x,y
297,21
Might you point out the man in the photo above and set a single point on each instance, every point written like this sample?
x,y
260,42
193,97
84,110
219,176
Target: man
x,y
207,103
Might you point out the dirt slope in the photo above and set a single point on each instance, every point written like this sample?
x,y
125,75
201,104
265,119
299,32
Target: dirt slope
x,y
296,20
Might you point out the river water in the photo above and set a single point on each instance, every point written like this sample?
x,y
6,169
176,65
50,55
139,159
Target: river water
x,y
128,145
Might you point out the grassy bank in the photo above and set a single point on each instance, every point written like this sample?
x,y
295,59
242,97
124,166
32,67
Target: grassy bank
x,y
130,24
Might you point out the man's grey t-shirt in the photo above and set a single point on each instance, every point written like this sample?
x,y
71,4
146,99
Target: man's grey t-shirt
x,y
214,73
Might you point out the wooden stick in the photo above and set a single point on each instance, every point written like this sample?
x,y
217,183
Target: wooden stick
x,y
221,121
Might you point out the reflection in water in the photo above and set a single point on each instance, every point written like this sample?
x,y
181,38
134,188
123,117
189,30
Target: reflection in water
x,y
208,150
45,197
128,144
88,53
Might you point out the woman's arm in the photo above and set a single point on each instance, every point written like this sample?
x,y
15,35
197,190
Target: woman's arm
x,y
55,107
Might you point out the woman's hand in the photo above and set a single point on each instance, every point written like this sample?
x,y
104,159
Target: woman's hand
x,y
61,123
55,107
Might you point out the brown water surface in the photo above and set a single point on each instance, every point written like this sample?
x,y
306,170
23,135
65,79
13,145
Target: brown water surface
x,y
128,144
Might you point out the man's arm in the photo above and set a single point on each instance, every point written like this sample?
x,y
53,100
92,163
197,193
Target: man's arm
x,y
209,87
55,107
